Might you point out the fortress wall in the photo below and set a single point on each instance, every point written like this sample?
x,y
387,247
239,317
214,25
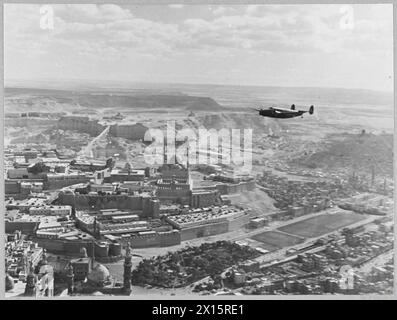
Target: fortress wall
x,y
26,122
235,224
229,188
76,246
204,230
58,184
101,251
71,246
149,206
240,187
208,188
24,227
145,241
83,124
160,239
168,193
200,200
123,177
170,238
51,245
101,202
130,131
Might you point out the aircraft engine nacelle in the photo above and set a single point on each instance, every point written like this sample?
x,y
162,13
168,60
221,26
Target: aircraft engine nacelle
x,y
293,107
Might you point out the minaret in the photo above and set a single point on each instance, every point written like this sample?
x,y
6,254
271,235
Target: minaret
x,y
165,151
127,271
70,280
42,262
44,257
187,157
31,280
95,227
93,254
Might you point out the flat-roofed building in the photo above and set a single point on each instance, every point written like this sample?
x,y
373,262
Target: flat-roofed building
x,y
106,187
125,218
204,198
51,210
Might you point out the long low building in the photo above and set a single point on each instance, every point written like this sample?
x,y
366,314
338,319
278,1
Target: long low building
x,y
61,180
26,204
208,222
117,228
204,216
147,205
51,210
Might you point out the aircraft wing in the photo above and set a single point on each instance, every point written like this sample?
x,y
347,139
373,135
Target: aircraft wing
x,y
283,110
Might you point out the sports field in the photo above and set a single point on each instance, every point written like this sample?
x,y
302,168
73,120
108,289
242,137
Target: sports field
x,y
317,226
274,240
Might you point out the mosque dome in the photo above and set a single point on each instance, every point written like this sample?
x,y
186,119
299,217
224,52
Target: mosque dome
x,y
9,282
99,275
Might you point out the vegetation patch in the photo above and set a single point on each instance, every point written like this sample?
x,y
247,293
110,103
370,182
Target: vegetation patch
x,y
185,266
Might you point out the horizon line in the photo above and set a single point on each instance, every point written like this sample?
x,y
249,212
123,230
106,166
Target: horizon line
x,y
54,81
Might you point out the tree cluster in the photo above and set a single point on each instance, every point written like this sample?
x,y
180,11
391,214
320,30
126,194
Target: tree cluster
x,y
188,265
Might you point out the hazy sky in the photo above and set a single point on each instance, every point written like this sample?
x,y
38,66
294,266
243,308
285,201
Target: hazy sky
x,y
299,45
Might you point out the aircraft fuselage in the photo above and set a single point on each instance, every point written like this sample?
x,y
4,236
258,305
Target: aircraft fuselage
x,y
272,113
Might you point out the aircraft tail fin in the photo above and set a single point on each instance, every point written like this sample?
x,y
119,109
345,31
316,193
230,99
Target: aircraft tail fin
x,y
311,110
293,107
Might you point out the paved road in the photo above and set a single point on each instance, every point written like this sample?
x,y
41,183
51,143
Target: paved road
x,y
87,150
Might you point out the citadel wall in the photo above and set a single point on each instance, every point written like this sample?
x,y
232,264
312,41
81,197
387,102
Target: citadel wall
x,y
229,188
93,127
26,122
156,239
204,230
150,207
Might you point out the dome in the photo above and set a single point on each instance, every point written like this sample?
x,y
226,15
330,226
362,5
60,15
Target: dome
x,y
99,274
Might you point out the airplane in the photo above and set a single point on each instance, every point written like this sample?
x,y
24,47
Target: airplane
x,y
283,113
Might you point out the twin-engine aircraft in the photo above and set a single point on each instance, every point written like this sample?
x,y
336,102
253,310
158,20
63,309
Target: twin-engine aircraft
x,y
283,113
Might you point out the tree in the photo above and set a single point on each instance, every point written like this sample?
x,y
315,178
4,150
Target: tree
x,y
128,168
38,168
109,163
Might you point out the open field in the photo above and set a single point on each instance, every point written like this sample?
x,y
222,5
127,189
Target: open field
x,y
317,226
274,240
257,200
